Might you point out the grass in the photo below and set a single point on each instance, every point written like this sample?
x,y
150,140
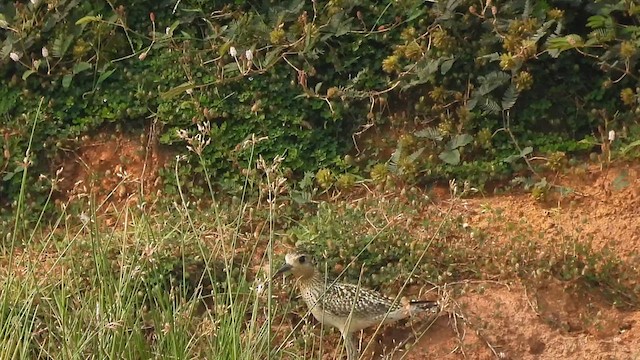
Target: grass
x,y
173,283
155,285
181,280
132,291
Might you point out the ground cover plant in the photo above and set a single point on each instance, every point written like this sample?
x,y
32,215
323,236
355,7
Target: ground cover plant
x,y
482,91
159,158
179,280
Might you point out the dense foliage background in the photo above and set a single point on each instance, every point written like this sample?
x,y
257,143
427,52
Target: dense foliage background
x,y
406,90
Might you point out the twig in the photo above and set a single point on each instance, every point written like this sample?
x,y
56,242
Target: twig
x,y
458,313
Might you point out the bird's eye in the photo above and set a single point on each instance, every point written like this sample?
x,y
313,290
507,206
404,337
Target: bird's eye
x,y
302,259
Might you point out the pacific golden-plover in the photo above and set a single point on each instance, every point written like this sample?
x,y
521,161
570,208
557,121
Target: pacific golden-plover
x,y
348,307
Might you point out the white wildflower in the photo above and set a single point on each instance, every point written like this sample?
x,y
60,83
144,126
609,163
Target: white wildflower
x,y
45,52
182,134
15,56
233,52
249,55
612,135
204,127
260,287
84,218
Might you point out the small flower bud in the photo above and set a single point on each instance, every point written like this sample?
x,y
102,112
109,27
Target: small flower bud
x,y
612,135
152,16
233,52
14,56
249,55
45,52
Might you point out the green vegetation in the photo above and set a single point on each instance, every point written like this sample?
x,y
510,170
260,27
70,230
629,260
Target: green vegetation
x,y
478,94
184,282
275,110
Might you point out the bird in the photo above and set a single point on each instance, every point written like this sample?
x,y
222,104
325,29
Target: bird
x,y
347,307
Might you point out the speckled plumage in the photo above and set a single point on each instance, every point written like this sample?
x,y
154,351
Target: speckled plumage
x,y
348,307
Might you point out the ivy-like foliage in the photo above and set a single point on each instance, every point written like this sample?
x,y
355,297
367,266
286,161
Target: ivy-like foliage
x,y
309,78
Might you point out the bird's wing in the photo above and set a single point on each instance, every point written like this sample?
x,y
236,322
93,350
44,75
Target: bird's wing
x,y
345,299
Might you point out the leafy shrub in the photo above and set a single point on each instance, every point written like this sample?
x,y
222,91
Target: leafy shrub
x,y
467,91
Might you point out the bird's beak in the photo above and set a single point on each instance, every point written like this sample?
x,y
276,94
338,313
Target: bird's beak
x,y
286,267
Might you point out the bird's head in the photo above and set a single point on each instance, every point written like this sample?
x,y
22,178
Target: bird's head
x,y
301,265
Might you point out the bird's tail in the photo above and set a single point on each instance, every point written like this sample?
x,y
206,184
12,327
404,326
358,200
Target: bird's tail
x,y
425,305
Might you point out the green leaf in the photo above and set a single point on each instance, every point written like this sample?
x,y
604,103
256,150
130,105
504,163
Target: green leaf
x,y
510,97
272,56
61,45
491,81
413,157
471,104
66,80
80,67
563,43
631,146
451,157
88,19
461,140
231,68
27,73
565,191
8,176
598,21
177,90
224,49
621,181
104,76
3,22
490,57
490,106
430,133
524,152
174,25
7,46
446,65
511,158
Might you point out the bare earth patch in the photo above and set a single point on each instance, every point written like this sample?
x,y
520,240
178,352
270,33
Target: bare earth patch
x,y
113,167
549,324
553,320
603,209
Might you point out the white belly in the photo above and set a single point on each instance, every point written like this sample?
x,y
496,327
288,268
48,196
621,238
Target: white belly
x,y
328,319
